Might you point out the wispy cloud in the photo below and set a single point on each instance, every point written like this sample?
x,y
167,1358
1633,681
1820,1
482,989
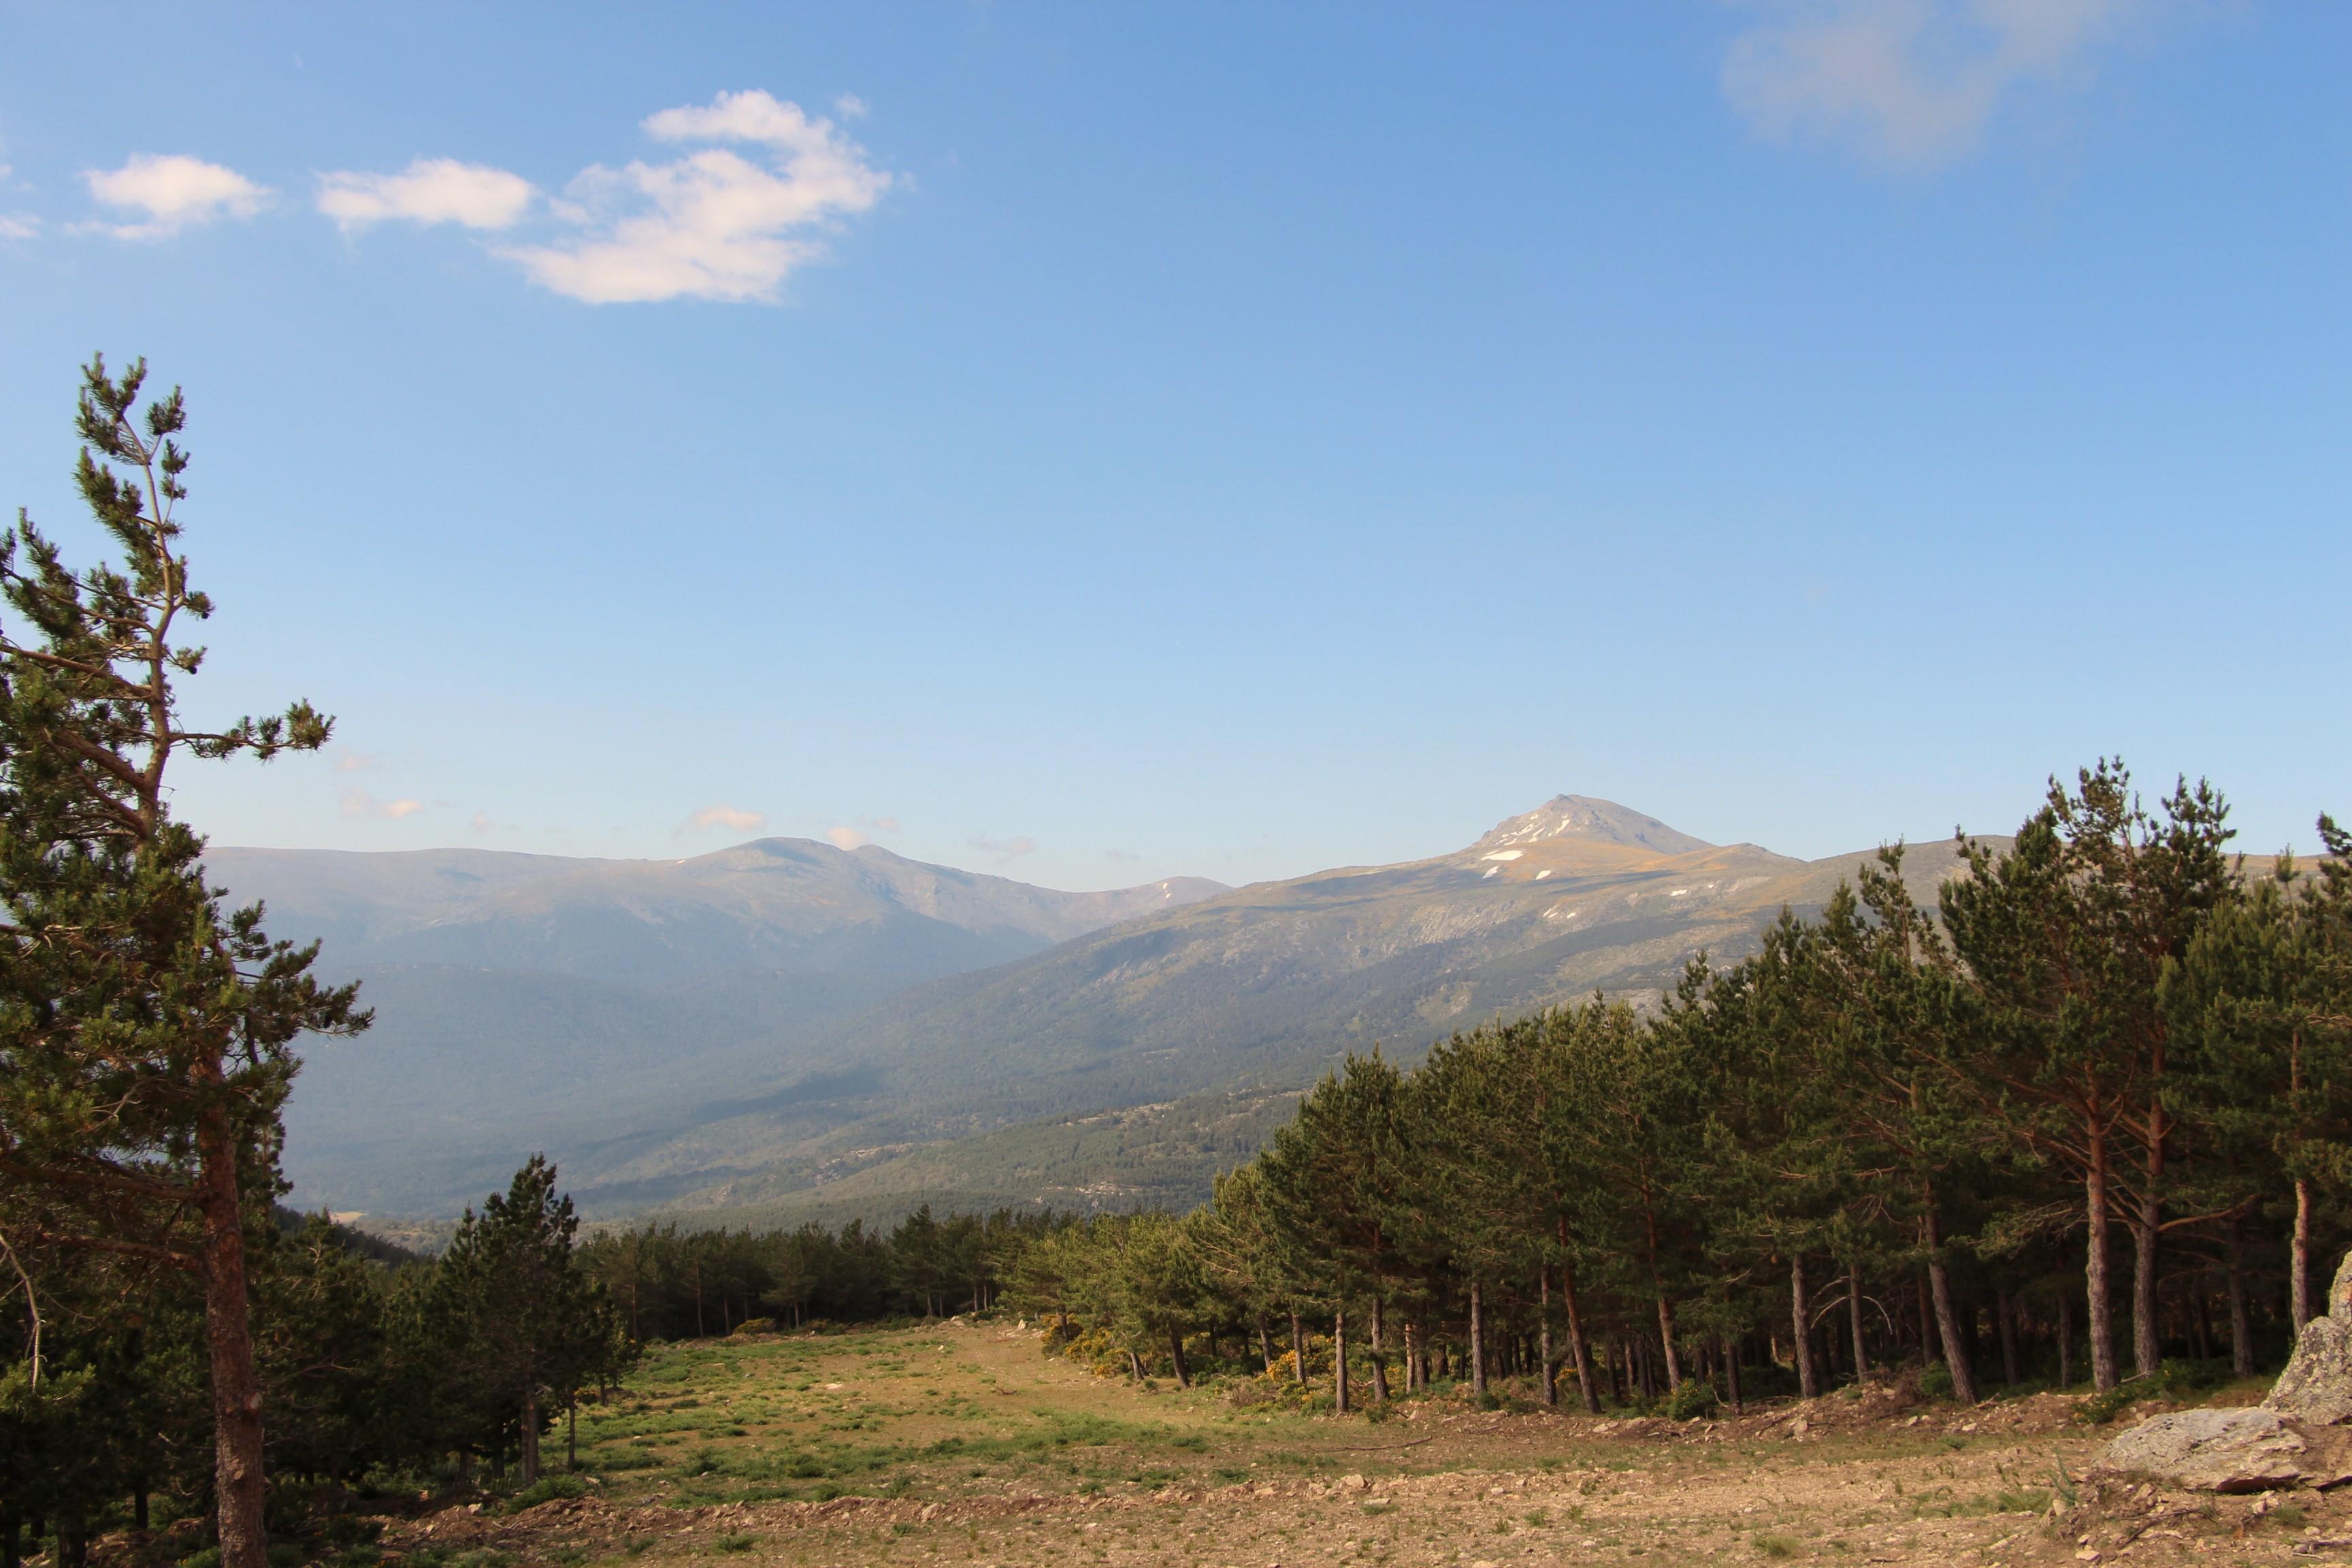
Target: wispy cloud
x,y
1121,856
1006,849
1909,83
355,762
357,802
429,191
848,836
175,192
19,226
720,815
713,225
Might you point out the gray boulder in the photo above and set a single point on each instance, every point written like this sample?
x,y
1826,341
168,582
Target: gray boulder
x,y
2245,1450
2316,1387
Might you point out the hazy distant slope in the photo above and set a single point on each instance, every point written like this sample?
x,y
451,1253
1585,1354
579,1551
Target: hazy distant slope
x,y
1257,990
788,904
602,1006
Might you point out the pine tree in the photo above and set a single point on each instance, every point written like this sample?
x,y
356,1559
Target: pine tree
x,y
143,1028
521,1317
2066,940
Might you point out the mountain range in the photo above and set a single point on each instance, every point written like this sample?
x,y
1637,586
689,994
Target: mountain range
x,y
784,1030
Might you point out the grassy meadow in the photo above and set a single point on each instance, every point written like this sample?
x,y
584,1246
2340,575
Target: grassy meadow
x,y
964,1443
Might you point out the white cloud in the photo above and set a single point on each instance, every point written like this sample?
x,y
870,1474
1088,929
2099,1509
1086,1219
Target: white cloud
x,y
849,106
19,226
357,802
712,225
721,815
1005,848
175,192
355,762
480,822
429,191
879,824
847,838
1912,83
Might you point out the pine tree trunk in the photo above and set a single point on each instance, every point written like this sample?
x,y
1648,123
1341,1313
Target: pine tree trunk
x,y
1800,1308
1580,1350
241,1489
1134,1367
1666,1339
1731,1376
1379,1358
2005,1306
2066,1340
1264,1345
1948,1322
531,1432
2100,1300
1340,1360
1543,1346
2241,1328
1298,1349
1854,1318
2148,1340
1477,1339
2298,1290
1176,1358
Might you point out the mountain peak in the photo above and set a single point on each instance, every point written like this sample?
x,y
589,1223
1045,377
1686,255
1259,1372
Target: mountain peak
x,y
1595,821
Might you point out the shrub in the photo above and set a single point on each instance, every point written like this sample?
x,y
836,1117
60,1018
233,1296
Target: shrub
x,y
2172,1379
756,1326
547,1489
1693,1398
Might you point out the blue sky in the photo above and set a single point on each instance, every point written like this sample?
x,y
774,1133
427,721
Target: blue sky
x,y
1093,443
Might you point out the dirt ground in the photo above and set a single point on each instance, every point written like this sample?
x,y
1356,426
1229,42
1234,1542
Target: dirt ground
x,y
965,1444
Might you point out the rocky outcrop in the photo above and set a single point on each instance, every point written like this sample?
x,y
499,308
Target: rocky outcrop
x,y
2287,1441
2247,1450
2316,1387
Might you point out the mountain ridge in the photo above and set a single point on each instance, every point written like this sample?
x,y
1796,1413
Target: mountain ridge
x,y
682,1083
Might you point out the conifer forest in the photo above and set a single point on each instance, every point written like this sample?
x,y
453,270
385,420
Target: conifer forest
x,y
2083,1121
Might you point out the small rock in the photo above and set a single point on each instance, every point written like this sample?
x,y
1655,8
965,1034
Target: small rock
x,y
2210,1450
